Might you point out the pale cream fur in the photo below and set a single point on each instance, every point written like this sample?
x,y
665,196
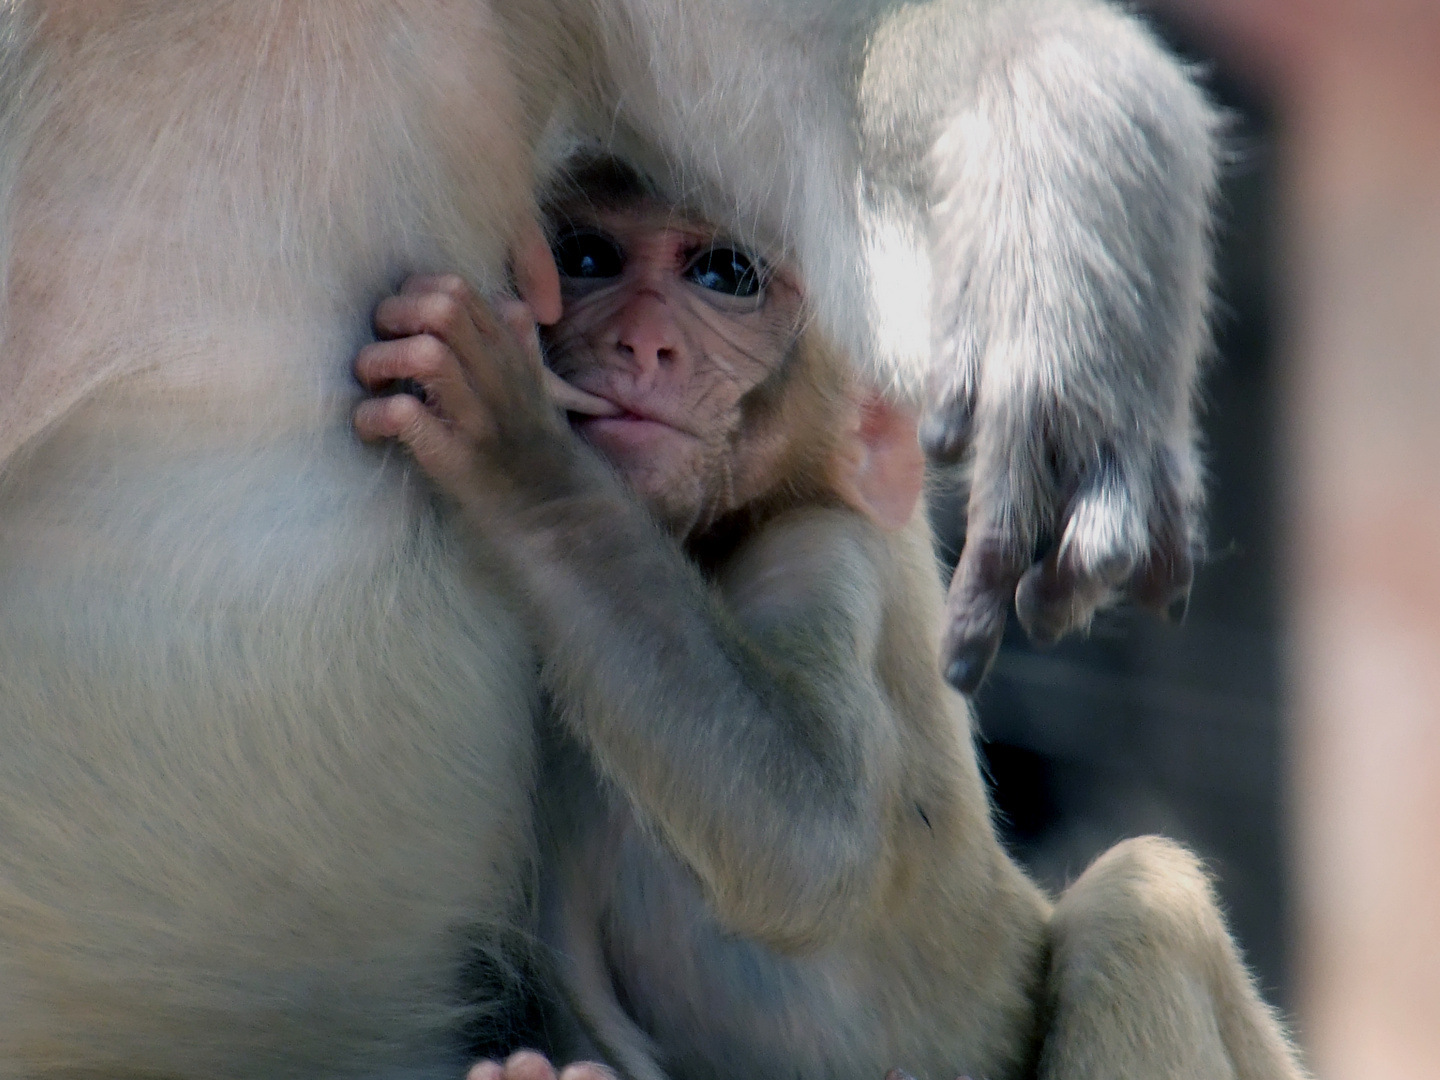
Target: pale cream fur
x,y
252,826
910,940
248,831
848,908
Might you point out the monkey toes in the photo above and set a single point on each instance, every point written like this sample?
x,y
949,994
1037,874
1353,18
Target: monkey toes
x,y
529,1065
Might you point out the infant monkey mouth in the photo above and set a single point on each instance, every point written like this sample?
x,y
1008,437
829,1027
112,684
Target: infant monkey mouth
x,y
578,404
588,406
625,416
631,431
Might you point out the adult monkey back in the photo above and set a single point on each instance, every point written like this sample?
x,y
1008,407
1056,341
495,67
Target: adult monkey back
x,y
246,831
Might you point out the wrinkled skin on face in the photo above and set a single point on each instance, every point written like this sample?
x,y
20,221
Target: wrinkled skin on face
x,y
683,333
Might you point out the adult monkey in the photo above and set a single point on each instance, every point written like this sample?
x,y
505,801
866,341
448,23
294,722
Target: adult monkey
x,y
246,831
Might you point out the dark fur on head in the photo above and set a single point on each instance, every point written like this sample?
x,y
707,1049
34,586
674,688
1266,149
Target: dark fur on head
x,y
594,181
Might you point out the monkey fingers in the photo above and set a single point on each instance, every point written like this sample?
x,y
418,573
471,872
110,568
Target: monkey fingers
x,y
948,425
520,318
1103,538
429,364
1055,597
985,579
1163,584
489,318
573,399
490,382
453,299
493,321
1124,535
436,447
1163,580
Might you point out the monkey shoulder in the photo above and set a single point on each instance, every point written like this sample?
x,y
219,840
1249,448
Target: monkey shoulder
x,y
804,564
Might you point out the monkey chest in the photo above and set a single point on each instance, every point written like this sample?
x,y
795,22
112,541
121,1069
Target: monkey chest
x,y
719,1004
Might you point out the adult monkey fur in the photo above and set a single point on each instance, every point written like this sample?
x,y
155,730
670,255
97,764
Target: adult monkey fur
x,y
788,868
247,830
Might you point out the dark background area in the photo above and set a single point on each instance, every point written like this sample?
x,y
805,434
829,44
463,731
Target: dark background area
x,y
1142,727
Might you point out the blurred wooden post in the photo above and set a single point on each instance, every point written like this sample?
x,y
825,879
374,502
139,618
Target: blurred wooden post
x,y
1365,408
1358,84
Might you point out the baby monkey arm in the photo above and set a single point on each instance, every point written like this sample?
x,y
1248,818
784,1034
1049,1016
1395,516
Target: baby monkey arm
x,y
755,739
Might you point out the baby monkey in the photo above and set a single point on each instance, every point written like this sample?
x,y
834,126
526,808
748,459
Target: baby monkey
x,y
769,846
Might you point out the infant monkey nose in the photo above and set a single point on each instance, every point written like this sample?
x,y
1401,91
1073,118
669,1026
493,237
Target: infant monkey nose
x,y
645,332
647,355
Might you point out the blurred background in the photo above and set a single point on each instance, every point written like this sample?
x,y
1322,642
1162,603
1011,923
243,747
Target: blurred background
x,y
1289,731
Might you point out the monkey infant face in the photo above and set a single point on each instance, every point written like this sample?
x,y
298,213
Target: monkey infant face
x,y
683,331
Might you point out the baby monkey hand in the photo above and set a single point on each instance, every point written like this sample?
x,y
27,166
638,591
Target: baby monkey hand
x,y
487,395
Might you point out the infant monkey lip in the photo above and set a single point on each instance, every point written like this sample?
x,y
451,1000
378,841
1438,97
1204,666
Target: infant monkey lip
x,y
623,413
620,416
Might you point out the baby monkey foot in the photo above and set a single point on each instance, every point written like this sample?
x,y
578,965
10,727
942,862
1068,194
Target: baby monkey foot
x,y
530,1065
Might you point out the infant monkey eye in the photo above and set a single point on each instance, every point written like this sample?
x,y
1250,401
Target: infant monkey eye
x,y
728,270
586,254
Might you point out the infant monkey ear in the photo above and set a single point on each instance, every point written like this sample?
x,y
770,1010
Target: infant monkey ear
x,y
880,468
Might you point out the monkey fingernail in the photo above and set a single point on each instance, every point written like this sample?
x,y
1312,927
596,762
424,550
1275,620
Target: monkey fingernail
x,y
966,673
969,662
945,435
959,675
1045,623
